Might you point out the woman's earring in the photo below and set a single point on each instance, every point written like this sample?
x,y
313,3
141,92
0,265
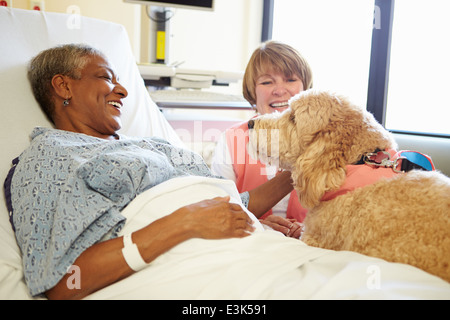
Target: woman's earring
x,y
66,103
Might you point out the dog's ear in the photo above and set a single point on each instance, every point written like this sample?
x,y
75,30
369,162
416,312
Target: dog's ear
x,y
320,166
332,133
318,170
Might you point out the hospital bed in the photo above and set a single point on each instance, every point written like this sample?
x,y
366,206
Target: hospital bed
x,y
250,268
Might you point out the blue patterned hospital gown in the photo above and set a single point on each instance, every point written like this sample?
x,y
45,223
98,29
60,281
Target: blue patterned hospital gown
x,y
68,191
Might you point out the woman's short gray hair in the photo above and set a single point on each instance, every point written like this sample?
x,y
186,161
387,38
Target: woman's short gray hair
x,y
66,60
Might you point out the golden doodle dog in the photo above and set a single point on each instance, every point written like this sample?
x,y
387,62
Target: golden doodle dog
x,y
343,170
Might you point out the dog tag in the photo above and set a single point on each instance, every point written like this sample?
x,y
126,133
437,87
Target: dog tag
x,y
381,157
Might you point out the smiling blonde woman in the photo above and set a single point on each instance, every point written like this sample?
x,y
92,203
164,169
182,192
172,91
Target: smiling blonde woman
x,y
275,73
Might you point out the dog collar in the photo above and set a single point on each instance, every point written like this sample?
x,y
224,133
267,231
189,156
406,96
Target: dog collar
x,y
400,162
379,164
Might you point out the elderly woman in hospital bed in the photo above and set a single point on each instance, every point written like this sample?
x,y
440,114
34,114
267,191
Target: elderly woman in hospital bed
x,y
69,186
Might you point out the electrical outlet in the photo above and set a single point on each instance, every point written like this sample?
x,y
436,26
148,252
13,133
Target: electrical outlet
x,y
37,5
5,3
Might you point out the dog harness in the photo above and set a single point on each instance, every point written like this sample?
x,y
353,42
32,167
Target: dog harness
x,y
380,164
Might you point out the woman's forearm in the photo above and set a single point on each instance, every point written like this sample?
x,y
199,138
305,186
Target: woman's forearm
x,y
267,195
103,264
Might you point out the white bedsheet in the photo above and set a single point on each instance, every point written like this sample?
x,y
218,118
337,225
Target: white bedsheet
x,y
265,265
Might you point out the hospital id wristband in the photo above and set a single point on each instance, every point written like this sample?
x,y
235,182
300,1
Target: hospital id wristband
x,y
131,254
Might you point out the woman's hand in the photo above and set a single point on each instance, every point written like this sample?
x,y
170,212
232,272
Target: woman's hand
x,y
288,227
215,219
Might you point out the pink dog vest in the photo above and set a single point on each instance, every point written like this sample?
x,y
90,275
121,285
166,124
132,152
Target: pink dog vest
x,y
250,172
359,176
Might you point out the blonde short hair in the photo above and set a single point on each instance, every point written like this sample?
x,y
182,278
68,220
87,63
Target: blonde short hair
x,y
275,57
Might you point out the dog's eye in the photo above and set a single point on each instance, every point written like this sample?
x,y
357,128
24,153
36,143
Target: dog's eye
x,y
292,117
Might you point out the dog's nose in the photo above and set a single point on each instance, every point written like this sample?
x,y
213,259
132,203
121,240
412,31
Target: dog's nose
x,y
251,124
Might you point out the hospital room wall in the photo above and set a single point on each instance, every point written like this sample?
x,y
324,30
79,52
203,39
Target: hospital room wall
x,y
223,39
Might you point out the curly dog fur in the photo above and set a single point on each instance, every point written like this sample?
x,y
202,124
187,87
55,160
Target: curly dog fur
x,y
403,219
